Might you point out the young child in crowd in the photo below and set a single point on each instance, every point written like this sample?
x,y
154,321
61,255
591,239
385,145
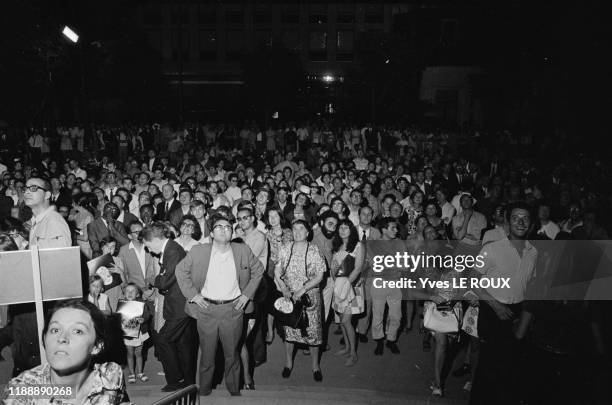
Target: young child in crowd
x,y
96,296
134,344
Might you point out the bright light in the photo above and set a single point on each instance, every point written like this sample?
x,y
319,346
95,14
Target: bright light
x,y
275,115
387,61
71,35
328,78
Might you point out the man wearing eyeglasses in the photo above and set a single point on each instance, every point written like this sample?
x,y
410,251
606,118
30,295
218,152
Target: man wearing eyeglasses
x,y
48,229
219,281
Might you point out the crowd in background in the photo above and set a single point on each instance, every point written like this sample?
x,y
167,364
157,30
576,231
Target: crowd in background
x,y
305,198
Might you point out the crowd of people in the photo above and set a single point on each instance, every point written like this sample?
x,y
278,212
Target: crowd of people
x,y
211,224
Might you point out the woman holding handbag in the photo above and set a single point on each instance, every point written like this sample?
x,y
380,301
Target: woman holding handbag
x,y
347,262
298,272
442,313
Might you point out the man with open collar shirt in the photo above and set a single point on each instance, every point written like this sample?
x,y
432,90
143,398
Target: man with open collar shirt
x,y
219,281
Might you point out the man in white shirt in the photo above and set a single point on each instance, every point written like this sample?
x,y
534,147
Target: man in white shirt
x,y
500,229
448,211
512,258
547,227
77,171
219,281
354,206
233,192
48,229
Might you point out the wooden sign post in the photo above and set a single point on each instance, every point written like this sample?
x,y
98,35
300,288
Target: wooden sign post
x,y
38,276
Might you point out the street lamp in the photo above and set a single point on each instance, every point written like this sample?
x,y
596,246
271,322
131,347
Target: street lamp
x,y
70,34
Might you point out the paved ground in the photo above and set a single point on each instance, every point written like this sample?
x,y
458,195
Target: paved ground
x,y
388,379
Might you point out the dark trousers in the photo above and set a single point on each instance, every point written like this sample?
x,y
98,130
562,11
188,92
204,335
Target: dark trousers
x,y
496,379
225,323
177,347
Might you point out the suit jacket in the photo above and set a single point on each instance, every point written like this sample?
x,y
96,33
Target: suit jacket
x,y
133,273
63,198
161,214
254,184
128,218
96,231
191,273
165,282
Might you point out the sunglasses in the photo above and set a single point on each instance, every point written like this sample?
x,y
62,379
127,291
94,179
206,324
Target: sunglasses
x,y
244,218
224,227
188,225
33,188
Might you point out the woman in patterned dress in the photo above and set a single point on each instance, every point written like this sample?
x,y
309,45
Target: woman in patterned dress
x,y
278,234
299,271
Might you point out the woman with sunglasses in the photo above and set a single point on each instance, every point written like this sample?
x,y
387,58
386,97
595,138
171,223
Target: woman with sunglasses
x,y
189,232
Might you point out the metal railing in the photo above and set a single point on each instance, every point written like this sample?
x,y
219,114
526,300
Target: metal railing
x,y
186,396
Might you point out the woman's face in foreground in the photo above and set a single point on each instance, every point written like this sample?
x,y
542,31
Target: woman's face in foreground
x,y
70,341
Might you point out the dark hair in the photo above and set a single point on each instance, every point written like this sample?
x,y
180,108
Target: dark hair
x,y
247,206
436,206
519,205
384,223
132,284
197,230
7,243
284,223
345,208
105,241
97,318
216,218
328,214
156,230
353,238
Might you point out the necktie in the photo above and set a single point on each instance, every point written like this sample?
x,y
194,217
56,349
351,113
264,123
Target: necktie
x,y
167,208
363,237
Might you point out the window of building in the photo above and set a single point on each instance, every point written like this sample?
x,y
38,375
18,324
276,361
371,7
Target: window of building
x,y
374,14
235,44
180,41
318,46
234,16
317,18
345,14
208,45
207,17
317,13
345,43
262,14
179,17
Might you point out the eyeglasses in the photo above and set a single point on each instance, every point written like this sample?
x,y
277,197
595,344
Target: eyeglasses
x,y
33,188
188,225
226,228
244,218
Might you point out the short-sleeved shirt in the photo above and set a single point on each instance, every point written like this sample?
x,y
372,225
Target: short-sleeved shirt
x,y
501,259
477,223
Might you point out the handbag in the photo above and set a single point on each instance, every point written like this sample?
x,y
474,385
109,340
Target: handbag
x,y
297,318
442,321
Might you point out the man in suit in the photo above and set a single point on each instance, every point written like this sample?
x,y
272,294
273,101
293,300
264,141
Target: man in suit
x,y
170,203
59,195
177,340
366,232
125,217
106,225
219,281
250,180
185,199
